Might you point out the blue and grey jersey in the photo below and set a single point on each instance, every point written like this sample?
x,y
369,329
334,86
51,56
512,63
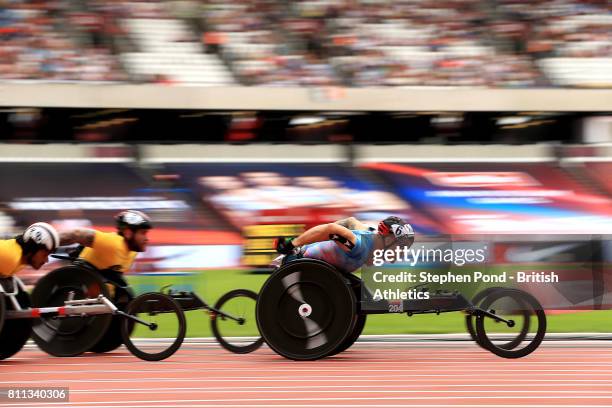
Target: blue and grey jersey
x,y
330,251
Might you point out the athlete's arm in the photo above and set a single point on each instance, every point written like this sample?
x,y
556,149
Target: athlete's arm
x,y
322,233
81,236
352,223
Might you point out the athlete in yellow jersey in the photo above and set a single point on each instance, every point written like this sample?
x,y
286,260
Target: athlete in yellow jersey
x,y
30,248
113,250
113,254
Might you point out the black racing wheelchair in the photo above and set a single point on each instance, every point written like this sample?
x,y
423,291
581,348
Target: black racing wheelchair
x,y
71,323
78,308
308,310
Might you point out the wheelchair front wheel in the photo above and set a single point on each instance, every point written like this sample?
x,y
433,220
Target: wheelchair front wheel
x,y
165,331
234,325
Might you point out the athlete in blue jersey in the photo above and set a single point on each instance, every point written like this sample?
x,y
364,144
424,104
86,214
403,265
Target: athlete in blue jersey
x,y
347,244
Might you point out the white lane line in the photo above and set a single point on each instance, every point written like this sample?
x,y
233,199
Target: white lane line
x,y
363,385
447,352
381,338
295,370
341,378
410,368
187,405
346,359
521,367
502,393
194,371
531,405
416,342
333,362
587,345
121,403
333,387
280,364
278,361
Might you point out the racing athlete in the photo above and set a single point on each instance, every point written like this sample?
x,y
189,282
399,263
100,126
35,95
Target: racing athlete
x,y
30,248
112,253
347,244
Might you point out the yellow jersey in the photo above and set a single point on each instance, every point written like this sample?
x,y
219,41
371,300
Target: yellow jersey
x,y
10,258
109,251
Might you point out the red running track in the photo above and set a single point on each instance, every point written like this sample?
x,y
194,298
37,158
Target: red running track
x,y
424,374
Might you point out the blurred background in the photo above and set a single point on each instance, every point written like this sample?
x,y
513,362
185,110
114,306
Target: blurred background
x,y
232,123
492,43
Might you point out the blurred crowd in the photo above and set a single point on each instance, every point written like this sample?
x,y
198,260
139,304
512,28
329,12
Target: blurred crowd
x,y
315,42
48,40
558,28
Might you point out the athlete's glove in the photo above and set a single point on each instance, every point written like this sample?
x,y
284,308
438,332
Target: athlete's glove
x,y
283,245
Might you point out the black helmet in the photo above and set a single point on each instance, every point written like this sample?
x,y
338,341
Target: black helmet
x,y
133,219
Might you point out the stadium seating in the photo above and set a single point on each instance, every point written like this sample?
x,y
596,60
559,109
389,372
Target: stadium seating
x,y
38,42
578,72
163,53
472,43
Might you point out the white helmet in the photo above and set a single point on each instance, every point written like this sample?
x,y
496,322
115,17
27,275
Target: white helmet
x,y
42,234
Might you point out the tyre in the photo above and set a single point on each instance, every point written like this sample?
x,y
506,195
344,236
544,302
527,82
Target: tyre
x,y
73,335
167,327
526,332
15,332
235,325
305,310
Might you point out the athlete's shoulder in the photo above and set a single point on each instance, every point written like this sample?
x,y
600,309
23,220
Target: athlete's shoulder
x,y
10,243
110,235
101,237
10,256
364,240
367,232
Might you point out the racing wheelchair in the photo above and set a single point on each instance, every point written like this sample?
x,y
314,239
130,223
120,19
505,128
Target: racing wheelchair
x,y
307,310
78,308
70,312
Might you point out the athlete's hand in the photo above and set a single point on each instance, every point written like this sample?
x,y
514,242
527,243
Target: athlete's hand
x,y
283,245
